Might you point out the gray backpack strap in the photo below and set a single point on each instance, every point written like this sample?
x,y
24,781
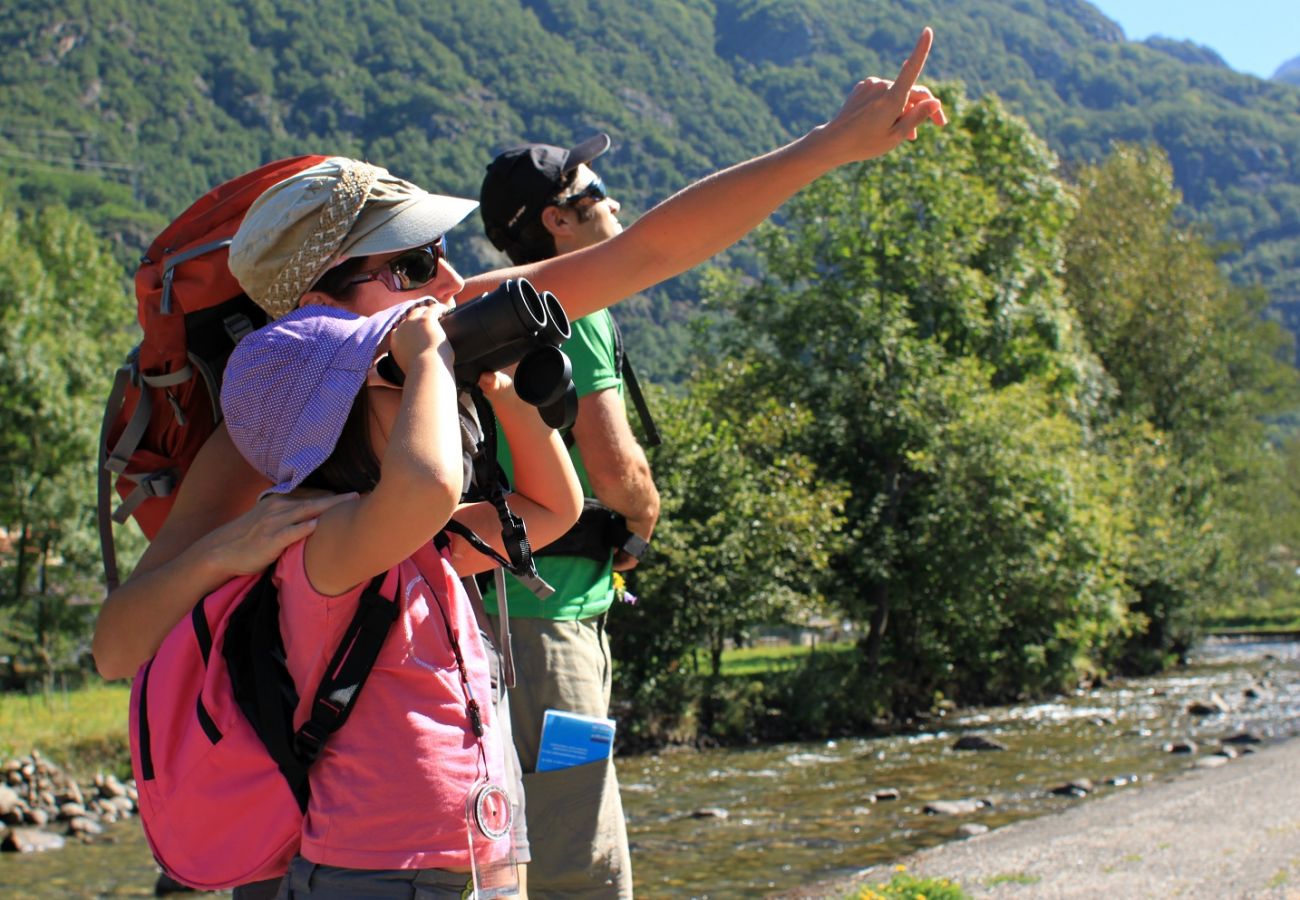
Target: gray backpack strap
x,y
485,625
114,460
103,504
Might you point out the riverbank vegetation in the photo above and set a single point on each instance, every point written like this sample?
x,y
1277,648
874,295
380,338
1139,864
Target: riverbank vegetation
x,y
1015,427
82,729
904,886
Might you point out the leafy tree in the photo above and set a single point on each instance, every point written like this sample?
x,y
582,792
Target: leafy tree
x,y
1195,368
63,330
1012,573
914,303
745,534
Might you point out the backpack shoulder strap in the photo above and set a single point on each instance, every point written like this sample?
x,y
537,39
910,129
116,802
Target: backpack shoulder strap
x,y
348,670
624,366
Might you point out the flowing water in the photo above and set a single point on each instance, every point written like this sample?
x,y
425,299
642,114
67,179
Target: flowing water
x,y
742,823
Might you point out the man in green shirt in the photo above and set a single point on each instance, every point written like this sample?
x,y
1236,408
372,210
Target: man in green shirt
x,y
540,201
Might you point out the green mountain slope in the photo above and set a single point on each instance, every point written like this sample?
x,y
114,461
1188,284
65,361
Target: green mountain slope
x,y
129,110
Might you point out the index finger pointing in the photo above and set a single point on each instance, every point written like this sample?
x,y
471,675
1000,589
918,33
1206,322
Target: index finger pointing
x,y
911,69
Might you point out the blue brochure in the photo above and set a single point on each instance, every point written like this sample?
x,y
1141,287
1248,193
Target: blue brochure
x,y
570,739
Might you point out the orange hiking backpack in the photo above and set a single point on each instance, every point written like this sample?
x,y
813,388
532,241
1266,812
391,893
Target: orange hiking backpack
x,y
165,399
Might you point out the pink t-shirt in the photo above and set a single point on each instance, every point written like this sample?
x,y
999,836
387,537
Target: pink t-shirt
x,y
389,790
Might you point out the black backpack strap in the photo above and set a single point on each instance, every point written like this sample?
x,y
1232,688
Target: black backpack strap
x,y
348,670
263,686
488,482
260,679
624,365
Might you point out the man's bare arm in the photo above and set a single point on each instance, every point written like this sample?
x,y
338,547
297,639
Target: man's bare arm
x,y
715,212
616,465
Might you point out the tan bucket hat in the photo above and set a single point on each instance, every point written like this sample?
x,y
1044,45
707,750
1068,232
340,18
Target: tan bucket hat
x,y
335,210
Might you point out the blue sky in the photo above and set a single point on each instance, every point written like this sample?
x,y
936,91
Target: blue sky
x,y
1254,36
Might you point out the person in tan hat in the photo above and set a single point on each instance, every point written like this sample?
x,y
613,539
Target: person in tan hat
x,y
210,535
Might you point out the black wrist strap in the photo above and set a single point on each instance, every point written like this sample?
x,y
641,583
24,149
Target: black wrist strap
x,y
635,546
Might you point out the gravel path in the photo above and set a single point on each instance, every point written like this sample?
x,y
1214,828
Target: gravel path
x,y
1225,832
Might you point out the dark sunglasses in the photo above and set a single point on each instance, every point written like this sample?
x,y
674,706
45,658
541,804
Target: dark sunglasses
x,y
410,270
595,190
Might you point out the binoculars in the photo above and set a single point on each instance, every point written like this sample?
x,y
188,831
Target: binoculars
x,y
512,323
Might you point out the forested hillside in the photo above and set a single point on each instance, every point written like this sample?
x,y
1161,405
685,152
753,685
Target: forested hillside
x,y
128,110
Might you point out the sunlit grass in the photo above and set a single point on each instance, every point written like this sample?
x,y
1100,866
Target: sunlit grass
x,y
767,658
82,730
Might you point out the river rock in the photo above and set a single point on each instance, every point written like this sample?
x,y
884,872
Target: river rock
x,y
1079,787
885,794
1211,707
1121,780
1243,737
120,805
1188,746
84,826
1210,762
9,800
970,829
954,807
978,742
71,811
31,840
109,786
37,817
1227,751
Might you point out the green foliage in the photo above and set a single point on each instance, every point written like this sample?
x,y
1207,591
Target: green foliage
x,y
1194,369
63,329
157,102
915,304
745,527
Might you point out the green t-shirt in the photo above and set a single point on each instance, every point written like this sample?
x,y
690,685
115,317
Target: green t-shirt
x,y
583,587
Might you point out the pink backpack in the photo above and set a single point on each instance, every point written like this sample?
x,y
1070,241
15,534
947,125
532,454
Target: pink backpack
x,y
221,771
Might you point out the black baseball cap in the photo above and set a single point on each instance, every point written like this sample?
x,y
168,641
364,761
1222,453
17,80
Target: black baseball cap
x,y
522,179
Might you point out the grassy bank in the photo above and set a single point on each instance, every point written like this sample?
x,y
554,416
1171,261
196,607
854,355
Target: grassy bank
x,y
82,730
763,659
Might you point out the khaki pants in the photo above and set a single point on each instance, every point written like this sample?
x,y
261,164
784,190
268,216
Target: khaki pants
x,y
577,833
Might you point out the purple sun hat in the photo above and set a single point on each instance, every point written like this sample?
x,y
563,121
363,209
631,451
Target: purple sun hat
x,y
289,387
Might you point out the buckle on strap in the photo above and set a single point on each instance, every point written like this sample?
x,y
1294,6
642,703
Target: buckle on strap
x,y
147,485
238,326
309,741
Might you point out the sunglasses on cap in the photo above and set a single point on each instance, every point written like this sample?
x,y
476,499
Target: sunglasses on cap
x,y
409,270
595,190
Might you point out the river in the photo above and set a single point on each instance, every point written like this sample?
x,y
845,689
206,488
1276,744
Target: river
x,y
741,823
